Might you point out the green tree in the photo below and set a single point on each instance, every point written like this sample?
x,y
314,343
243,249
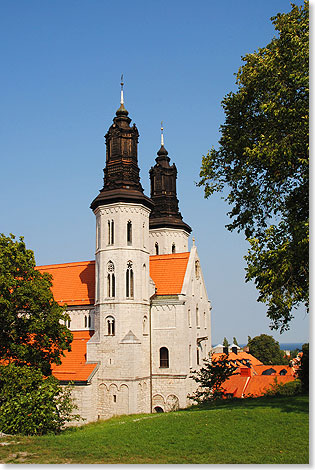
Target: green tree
x,y
31,403
235,341
211,377
263,163
32,323
267,350
303,372
225,343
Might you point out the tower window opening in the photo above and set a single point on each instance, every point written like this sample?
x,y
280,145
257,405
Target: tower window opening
x,y
156,248
173,248
85,321
89,321
198,357
111,237
129,280
197,317
129,232
110,324
110,279
164,358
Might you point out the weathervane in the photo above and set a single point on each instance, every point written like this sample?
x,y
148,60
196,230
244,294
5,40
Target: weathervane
x,y
122,89
162,137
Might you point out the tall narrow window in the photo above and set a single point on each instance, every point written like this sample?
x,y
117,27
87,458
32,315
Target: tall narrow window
x,y
110,279
110,232
173,248
112,239
129,280
89,321
129,232
197,316
85,321
145,326
189,317
198,358
156,248
110,326
164,358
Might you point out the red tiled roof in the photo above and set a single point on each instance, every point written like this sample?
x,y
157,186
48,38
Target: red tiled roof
x,y
74,366
258,384
259,369
168,272
235,385
73,283
241,355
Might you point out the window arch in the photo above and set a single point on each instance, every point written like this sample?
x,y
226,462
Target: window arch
x,y
164,358
145,325
129,280
156,248
110,279
111,234
129,232
110,326
173,248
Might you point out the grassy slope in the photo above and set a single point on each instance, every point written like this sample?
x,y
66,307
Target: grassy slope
x,y
265,430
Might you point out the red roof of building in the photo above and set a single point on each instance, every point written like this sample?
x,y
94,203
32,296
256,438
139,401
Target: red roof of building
x,y
237,358
74,283
168,272
259,384
74,366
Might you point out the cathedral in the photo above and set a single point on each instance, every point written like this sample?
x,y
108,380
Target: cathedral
x,y
139,312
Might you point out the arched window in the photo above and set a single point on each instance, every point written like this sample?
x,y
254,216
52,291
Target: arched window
x,y
110,232
110,279
164,358
89,321
144,282
173,248
129,232
197,269
197,316
129,280
145,325
85,321
110,326
156,248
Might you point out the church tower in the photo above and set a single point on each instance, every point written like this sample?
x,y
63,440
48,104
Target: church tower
x,y
168,232
121,341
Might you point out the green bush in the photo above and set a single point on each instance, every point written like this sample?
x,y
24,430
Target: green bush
x,y
31,403
284,390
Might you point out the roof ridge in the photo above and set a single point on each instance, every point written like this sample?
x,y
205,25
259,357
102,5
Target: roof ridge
x,y
64,265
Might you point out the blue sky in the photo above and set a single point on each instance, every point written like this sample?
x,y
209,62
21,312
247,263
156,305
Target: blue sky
x,y
61,63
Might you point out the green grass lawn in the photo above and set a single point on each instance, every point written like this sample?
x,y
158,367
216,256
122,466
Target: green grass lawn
x,y
252,431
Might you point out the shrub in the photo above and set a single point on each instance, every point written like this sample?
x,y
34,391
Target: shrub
x,y
284,390
31,403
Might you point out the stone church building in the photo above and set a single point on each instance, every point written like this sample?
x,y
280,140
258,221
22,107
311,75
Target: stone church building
x,y
139,312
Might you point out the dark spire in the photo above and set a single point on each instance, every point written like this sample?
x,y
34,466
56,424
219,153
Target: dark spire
x,y
163,193
121,173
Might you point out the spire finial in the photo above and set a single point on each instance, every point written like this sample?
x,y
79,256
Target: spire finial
x,y
162,136
122,89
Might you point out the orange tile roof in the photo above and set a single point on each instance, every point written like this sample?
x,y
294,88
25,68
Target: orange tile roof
x,y
258,384
242,355
73,283
259,369
74,366
235,385
168,272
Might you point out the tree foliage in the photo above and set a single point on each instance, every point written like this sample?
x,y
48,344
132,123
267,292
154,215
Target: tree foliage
x,y
225,343
267,350
303,372
263,163
32,323
31,403
211,377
